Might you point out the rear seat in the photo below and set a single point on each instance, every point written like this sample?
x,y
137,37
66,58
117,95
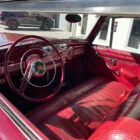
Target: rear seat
x,y
76,113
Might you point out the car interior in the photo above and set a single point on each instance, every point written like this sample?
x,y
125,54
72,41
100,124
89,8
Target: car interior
x,y
70,89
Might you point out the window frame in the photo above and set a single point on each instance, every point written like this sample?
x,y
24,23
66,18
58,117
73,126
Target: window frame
x,y
101,42
125,46
135,50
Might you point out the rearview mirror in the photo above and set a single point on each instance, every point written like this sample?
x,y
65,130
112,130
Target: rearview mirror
x,y
73,18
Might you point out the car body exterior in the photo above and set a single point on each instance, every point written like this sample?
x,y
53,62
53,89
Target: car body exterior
x,y
100,97
15,19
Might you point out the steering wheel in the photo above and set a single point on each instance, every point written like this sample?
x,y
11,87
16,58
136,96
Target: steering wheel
x,y
32,65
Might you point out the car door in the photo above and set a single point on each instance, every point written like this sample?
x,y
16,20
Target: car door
x,y
121,60
33,19
22,17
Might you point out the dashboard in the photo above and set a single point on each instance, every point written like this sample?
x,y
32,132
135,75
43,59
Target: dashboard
x,y
68,49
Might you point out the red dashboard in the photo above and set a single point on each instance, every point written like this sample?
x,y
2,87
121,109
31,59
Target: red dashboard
x,y
69,49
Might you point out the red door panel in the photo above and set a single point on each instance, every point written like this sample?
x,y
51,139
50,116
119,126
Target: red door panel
x,y
124,66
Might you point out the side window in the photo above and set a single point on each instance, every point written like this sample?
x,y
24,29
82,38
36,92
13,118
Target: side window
x,y
134,39
103,33
125,36
103,36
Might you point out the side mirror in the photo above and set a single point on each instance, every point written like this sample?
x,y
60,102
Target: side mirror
x,y
73,18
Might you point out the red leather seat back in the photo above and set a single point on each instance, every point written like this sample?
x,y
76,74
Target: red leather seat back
x,y
130,108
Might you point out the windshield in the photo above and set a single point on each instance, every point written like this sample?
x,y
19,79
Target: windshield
x,y
46,24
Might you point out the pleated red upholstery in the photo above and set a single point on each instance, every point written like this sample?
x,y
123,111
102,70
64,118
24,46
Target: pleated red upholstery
x,y
77,113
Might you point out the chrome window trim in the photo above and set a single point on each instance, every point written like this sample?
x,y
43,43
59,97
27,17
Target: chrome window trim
x,y
19,122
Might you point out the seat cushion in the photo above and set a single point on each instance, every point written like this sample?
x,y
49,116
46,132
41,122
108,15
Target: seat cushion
x,y
75,114
124,128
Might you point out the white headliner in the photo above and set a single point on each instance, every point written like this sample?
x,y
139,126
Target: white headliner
x,y
101,7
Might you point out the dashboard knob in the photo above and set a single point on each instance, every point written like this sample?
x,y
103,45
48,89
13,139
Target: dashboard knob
x,y
70,53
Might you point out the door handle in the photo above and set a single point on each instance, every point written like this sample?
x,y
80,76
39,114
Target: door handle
x,y
111,67
114,69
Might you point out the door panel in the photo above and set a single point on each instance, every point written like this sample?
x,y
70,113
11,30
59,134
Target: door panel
x,y
124,66
22,18
32,21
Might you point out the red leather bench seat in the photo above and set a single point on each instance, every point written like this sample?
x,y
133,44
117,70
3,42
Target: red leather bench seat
x,y
76,113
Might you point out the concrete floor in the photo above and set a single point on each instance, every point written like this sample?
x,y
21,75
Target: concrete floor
x,y
54,32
